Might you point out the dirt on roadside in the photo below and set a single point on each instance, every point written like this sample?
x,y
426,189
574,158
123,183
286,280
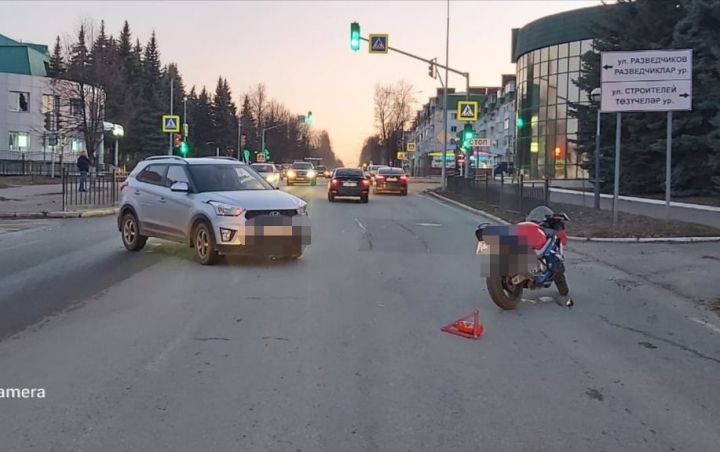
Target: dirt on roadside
x,y
588,222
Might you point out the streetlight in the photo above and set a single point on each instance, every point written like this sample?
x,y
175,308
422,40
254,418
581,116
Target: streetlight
x,y
595,96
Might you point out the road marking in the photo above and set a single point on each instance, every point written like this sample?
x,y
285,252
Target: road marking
x,y
434,225
706,324
360,225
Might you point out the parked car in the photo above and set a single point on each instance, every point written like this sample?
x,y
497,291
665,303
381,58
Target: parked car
x,y
302,172
391,180
269,171
348,182
214,205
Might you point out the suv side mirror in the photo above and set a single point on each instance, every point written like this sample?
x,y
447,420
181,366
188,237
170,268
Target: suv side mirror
x,y
180,187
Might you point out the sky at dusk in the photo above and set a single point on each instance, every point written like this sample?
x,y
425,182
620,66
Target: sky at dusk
x,y
300,49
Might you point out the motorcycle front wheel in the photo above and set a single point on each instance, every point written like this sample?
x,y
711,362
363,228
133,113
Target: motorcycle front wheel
x,y
503,293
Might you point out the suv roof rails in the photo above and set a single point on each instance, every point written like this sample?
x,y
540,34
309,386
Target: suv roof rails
x,y
222,157
161,157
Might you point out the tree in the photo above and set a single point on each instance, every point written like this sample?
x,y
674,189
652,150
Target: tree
x,y
247,122
393,110
150,106
85,96
200,118
383,117
258,100
224,117
56,67
696,142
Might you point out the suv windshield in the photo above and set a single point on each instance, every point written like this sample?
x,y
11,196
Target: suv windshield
x,y
226,178
302,165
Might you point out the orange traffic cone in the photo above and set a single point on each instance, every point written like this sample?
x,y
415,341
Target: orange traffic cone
x,y
465,328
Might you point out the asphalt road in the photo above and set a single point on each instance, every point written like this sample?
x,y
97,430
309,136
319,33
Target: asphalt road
x,y
342,349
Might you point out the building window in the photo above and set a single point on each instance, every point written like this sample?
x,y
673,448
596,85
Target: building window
x,y
19,141
453,128
50,103
77,145
453,115
76,107
18,101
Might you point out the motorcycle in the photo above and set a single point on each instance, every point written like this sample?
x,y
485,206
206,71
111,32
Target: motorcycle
x,y
529,255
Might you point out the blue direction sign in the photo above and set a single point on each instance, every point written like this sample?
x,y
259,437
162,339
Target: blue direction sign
x,y
378,43
171,123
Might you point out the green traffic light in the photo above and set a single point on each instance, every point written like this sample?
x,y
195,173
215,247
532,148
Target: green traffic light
x,y
309,118
467,134
355,36
519,123
184,148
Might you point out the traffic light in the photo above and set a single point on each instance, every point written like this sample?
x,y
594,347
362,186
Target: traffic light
x,y
48,121
266,153
467,134
178,140
58,121
355,36
184,148
520,122
431,69
309,118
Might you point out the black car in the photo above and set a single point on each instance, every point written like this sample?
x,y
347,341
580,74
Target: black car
x,y
349,182
391,180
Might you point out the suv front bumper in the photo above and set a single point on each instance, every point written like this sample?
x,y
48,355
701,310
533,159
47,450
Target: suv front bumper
x,y
263,235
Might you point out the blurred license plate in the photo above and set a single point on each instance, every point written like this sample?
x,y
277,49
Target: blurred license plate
x,y
482,248
349,184
392,179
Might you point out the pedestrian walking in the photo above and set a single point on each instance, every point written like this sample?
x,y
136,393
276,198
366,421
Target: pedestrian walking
x,y
83,164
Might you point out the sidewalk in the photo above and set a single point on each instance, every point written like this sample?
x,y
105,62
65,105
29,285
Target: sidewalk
x,y
28,201
654,208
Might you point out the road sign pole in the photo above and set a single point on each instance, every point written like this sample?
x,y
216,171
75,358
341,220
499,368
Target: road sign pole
x,y
668,167
445,106
597,161
467,97
172,135
616,190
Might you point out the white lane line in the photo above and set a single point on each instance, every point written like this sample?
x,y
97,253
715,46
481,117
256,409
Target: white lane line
x,y
706,324
433,225
360,225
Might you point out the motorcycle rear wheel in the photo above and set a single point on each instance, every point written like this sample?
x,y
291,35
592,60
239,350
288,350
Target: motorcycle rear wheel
x,y
503,293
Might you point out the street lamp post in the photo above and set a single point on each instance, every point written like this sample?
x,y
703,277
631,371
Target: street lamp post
x,y
595,96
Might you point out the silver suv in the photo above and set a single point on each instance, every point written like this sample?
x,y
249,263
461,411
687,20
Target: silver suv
x,y
215,205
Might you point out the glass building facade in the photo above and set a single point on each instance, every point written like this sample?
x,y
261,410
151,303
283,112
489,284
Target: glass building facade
x,y
547,56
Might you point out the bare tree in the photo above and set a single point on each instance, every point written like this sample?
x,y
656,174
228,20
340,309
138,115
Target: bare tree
x,y
82,98
393,110
258,101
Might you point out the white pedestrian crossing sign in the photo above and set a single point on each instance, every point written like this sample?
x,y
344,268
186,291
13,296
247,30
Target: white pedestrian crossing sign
x,y
467,110
378,43
171,123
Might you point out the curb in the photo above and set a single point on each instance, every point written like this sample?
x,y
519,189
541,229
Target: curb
x,y
466,207
88,213
584,239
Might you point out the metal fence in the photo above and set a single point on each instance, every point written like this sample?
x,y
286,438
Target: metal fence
x,y
100,189
28,167
517,195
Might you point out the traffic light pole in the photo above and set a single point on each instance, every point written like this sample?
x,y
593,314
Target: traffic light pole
x,y
172,135
445,93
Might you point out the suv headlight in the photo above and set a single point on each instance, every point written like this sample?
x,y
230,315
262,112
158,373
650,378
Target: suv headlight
x,y
226,210
302,210
311,173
